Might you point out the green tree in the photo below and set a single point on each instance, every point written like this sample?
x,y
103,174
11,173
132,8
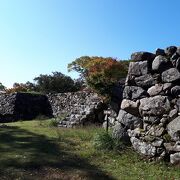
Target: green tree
x,y
30,86
17,87
56,83
2,87
100,73
81,65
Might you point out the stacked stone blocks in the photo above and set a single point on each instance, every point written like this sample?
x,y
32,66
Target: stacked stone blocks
x,y
150,110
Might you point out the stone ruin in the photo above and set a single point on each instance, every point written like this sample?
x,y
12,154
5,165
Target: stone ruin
x,y
23,106
150,110
71,109
79,108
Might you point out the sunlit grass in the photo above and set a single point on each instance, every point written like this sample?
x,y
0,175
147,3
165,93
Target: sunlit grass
x,y
35,150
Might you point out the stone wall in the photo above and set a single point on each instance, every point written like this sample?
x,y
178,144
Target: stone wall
x,y
72,109
150,110
23,106
115,102
79,108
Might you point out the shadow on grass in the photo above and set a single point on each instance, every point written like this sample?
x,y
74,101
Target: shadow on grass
x,y
24,151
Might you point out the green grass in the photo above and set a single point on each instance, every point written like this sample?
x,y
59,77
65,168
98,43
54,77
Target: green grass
x,y
34,150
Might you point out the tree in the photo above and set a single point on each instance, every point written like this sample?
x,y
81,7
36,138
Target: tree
x,y
30,86
81,65
55,83
100,73
2,87
17,87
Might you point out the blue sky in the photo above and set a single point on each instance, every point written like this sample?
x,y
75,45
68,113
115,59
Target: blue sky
x,y
41,36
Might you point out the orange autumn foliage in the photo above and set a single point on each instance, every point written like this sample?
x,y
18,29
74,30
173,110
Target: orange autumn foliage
x,y
100,73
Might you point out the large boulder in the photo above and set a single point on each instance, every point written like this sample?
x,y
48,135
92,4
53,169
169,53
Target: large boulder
x,y
172,147
145,81
130,106
160,63
134,92
169,51
160,52
120,133
154,106
129,120
155,90
143,148
138,68
142,56
174,129
170,75
175,158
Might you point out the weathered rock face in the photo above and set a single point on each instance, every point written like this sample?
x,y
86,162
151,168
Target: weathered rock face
x,y
152,98
170,50
142,56
174,129
128,120
119,132
134,92
130,106
79,108
154,106
160,52
160,63
143,147
23,106
171,75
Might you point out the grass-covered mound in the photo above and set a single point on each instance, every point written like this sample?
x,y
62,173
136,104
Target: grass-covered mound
x,y
36,150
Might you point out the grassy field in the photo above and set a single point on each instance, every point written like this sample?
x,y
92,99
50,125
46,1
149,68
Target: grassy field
x,y
33,150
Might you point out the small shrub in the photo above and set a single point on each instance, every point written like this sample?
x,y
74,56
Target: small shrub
x,y
167,137
104,141
53,123
61,117
40,119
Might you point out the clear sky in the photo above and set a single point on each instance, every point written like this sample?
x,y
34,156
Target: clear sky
x,y
41,36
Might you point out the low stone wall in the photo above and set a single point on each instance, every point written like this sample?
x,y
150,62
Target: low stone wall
x,y
23,106
150,110
72,109
77,108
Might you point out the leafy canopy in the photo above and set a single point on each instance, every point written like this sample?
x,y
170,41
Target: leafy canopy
x,y
53,83
21,87
100,73
56,83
